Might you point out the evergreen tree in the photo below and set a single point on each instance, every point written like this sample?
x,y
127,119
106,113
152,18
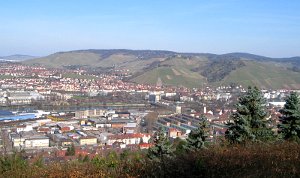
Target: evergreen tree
x,y
290,119
249,121
86,159
196,139
162,147
70,150
179,146
161,152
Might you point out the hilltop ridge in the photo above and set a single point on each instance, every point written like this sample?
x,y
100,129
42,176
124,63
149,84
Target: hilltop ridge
x,y
184,69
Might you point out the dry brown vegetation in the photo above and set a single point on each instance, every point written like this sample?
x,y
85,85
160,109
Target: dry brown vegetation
x,y
255,160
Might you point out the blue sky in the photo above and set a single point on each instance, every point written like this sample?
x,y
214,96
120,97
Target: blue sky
x,y
42,27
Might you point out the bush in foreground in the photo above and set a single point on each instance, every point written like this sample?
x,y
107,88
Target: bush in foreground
x,y
274,160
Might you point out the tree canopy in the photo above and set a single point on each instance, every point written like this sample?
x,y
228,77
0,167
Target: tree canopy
x,y
290,119
161,148
249,122
71,151
196,138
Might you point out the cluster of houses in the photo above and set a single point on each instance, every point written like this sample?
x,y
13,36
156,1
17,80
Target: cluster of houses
x,y
96,127
32,78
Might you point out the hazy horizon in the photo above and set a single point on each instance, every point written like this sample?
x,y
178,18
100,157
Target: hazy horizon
x,y
147,49
39,28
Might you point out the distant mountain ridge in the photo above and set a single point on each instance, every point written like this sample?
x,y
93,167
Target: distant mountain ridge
x,y
143,54
147,54
184,69
107,52
17,57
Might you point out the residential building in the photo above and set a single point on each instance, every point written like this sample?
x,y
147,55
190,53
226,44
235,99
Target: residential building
x,y
88,140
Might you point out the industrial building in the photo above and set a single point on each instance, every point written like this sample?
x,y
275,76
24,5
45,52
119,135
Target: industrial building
x,y
9,116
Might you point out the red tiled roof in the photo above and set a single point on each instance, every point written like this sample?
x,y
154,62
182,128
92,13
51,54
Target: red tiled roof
x,y
145,145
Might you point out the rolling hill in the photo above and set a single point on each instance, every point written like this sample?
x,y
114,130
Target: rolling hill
x,y
263,74
184,69
133,59
173,71
17,57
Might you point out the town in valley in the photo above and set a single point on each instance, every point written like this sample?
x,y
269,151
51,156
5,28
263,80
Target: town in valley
x,y
45,111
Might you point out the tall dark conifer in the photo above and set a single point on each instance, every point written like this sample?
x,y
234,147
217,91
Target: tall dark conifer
x,y
161,148
196,139
290,119
161,152
71,150
249,122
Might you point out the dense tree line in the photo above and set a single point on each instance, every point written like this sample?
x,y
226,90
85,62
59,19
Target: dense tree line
x,y
295,69
219,69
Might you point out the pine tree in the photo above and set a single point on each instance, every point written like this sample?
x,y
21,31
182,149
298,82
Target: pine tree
x,y
290,119
179,146
249,121
161,152
70,150
196,139
162,147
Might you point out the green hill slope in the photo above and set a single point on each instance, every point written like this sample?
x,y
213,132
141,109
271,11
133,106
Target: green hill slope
x,y
59,60
185,69
128,59
170,76
174,71
263,74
